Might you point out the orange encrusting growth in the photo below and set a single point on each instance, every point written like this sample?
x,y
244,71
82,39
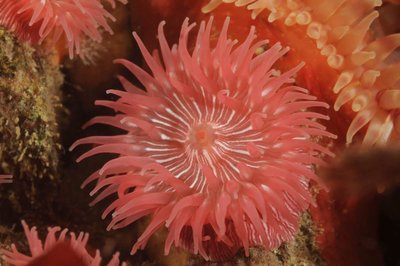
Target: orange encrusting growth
x,y
366,81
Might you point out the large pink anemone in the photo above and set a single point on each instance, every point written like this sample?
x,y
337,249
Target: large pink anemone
x,y
220,148
39,20
38,248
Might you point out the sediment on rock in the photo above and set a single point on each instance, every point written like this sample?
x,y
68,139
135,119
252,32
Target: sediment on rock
x,y
29,135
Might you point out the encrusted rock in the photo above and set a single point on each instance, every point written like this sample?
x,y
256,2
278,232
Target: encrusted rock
x,y
29,135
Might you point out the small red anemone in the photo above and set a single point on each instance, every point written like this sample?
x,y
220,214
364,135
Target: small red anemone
x,y
39,249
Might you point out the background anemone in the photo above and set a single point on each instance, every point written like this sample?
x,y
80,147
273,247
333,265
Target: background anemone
x,y
50,20
220,148
39,249
367,79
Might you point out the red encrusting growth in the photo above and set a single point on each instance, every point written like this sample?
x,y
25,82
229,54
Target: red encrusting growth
x,y
220,148
50,20
39,249
367,80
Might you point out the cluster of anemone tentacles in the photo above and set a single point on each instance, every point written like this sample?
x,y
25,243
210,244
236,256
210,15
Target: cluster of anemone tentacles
x,y
54,237
49,20
220,147
217,139
367,78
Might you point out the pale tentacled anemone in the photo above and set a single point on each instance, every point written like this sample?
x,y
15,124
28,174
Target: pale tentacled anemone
x,y
366,79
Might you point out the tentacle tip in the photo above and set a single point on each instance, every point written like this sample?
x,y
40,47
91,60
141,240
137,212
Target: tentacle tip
x,y
285,49
205,10
101,171
73,146
98,102
118,61
134,249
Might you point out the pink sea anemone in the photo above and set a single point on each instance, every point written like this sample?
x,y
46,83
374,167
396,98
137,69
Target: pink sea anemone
x,y
220,148
5,179
36,21
368,81
37,248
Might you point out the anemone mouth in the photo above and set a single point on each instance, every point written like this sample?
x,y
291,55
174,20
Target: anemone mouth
x,y
218,146
202,136
200,131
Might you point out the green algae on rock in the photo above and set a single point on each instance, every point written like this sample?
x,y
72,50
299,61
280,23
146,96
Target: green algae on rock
x,y
29,138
